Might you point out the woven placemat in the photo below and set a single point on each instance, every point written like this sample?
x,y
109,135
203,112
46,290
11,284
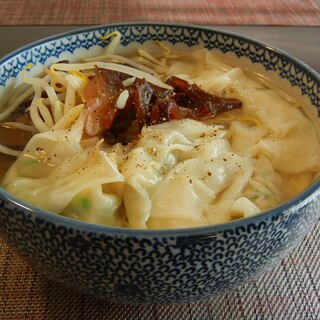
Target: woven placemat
x,y
204,12
290,291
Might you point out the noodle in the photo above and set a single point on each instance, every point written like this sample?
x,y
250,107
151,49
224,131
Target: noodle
x,y
9,151
123,60
45,113
111,66
15,104
68,118
114,42
34,114
21,126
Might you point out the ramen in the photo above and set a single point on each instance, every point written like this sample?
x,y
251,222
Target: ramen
x,y
158,139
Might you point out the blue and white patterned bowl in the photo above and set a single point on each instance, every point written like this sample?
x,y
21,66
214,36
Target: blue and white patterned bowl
x,y
169,265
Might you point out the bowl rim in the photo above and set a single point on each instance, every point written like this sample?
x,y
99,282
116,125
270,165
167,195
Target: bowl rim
x,y
297,201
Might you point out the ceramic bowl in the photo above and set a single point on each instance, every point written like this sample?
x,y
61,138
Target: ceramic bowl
x,y
159,266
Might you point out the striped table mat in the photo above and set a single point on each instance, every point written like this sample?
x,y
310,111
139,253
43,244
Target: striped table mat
x,y
203,12
289,292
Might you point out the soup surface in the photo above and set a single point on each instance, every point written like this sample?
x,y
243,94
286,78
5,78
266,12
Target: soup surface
x,y
158,139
